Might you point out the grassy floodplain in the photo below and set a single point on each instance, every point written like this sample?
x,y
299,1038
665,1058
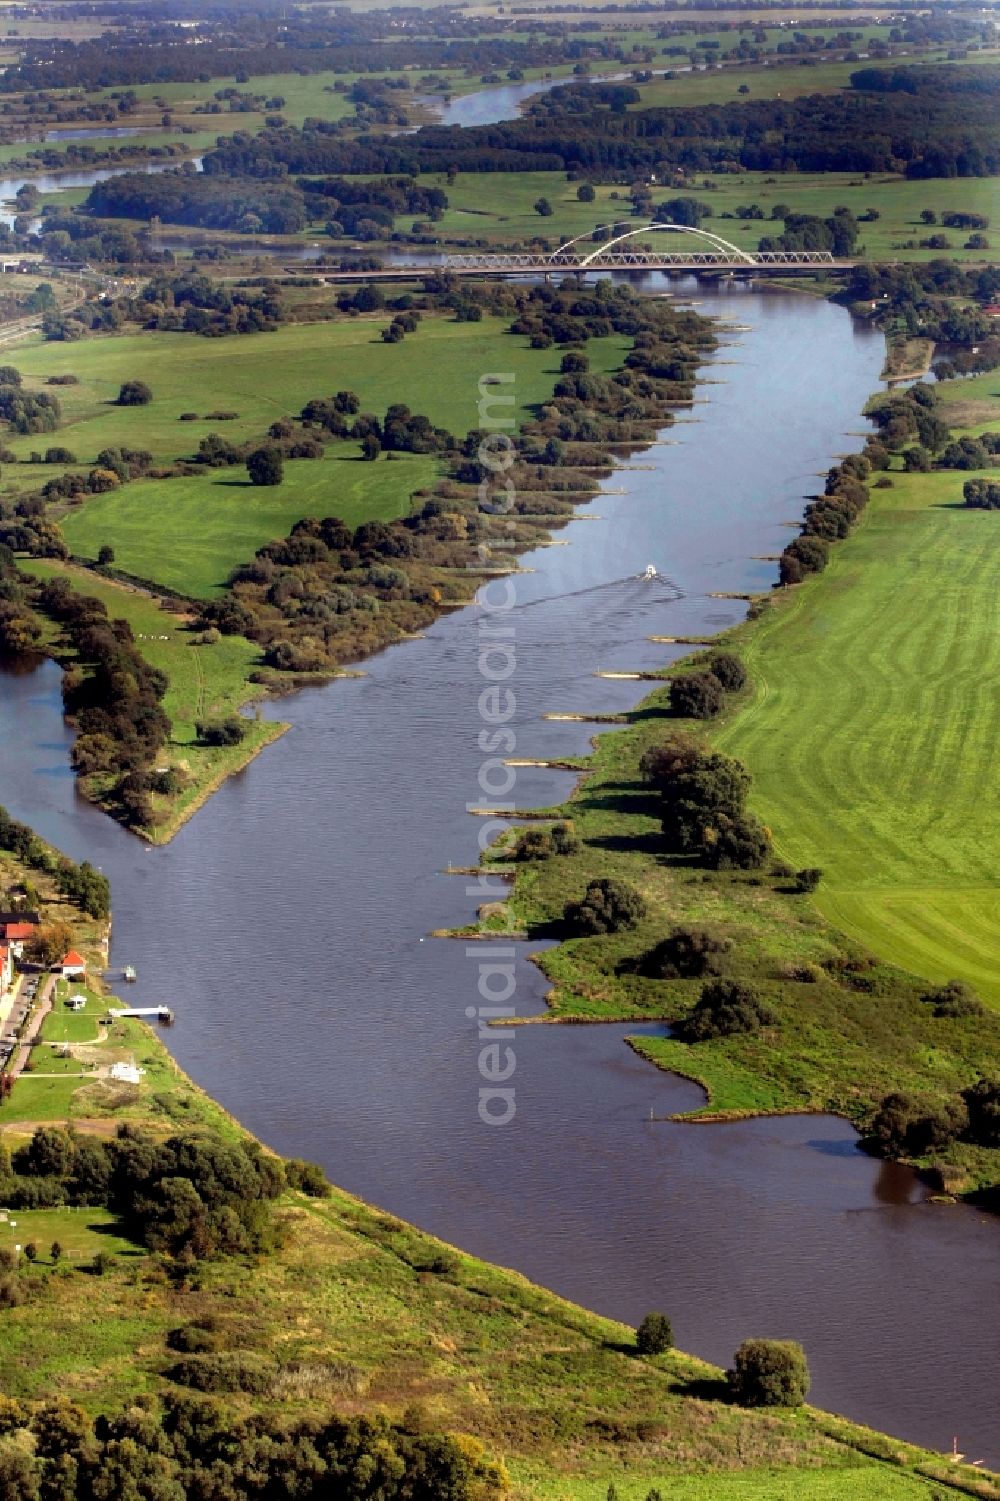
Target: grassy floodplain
x,y
360,1312
509,212
205,682
872,731
188,532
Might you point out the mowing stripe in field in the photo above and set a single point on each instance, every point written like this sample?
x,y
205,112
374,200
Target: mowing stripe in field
x,y
873,728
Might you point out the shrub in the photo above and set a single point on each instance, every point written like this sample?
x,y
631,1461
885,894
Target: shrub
x,y
224,1371
607,906
134,393
105,555
654,1335
308,1177
565,840
188,417
686,953
729,670
737,843
533,844
265,467
769,1373
228,731
725,1008
983,1104
59,456
696,695
808,878
907,1126
954,999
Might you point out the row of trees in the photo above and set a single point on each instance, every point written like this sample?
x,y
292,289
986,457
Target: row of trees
x,y
191,1447
83,885
112,693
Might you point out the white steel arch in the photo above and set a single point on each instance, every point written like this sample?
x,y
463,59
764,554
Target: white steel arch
x,y
586,236
715,240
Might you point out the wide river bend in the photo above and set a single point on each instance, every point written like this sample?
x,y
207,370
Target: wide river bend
x,y
286,926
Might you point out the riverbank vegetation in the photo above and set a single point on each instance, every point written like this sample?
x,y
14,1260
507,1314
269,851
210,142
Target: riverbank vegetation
x,y
802,964
580,377
185,1305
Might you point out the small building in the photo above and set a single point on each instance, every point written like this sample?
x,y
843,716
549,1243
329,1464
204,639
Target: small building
x,y
6,968
73,966
77,1002
17,934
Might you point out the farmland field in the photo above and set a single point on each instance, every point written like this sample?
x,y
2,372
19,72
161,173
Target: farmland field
x,y
872,730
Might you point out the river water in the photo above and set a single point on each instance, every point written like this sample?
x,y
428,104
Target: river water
x,y
287,923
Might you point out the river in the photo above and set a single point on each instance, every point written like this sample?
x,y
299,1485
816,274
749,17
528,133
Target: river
x,y
286,926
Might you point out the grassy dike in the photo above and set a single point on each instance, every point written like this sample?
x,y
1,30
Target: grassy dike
x,y
361,1313
868,726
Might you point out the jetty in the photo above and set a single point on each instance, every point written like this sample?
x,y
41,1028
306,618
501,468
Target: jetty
x,y
158,1013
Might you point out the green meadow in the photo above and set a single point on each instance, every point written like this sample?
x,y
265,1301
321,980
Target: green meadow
x,y
507,212
205,681
261,377
188,532
872,730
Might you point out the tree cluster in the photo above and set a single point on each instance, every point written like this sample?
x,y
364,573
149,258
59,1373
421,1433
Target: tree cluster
x,y
112,693
190,1446
703,796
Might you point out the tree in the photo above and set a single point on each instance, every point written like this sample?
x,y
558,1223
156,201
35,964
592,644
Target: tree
x,y
808,878
769,1373
654,1335
928,216
696,695
370,447
105,555
686,953
983,1104
725,1008
55,1252
543,207
607,906
49,943
265,466
585,193
729,670
31,1251
134,393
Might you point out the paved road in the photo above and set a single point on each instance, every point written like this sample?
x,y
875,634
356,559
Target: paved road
x,y
43,1005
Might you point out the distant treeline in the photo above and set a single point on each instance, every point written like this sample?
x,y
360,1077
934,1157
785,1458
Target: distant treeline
x,y
252,206
933,122
244,44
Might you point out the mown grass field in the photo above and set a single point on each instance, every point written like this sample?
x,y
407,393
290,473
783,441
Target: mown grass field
x,y
872,729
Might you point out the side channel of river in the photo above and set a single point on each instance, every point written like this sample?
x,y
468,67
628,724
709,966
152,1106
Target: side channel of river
x,y
286,926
